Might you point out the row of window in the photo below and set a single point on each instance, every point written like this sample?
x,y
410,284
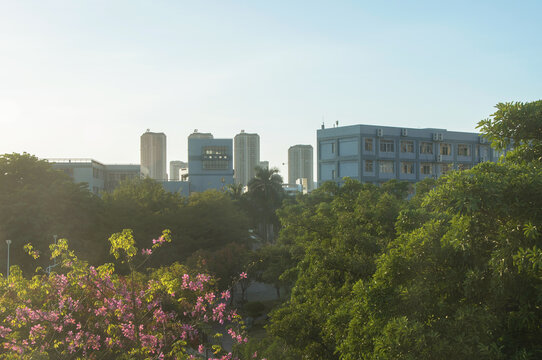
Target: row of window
x,y
215,158
406,167
407,146
98,173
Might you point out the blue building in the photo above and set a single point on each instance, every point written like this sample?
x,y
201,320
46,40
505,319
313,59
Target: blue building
x,y
210,162
376,154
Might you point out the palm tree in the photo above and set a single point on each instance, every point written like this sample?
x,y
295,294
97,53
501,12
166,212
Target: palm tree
x,y
235,191
265,189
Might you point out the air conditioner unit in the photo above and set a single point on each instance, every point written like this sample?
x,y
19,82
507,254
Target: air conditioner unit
x,y
379,132
404,132
439,158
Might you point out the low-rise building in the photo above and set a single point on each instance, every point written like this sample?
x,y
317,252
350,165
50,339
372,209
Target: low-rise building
x,y
375,154
98,176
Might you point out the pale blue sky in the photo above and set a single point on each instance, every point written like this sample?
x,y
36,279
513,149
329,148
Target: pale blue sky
x,y
87,78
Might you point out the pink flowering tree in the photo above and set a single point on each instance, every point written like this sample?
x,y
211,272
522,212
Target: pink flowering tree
x,y
87,312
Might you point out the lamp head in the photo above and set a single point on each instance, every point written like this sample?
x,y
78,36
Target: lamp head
x,y
8,242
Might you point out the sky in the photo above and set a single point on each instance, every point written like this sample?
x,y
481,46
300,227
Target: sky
x,y
84,79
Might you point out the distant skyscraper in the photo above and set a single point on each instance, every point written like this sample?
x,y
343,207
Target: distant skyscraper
x,y
300,164
153,155
175,168
210,162
246,156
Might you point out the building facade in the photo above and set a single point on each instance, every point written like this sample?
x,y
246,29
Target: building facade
x,y
246,156
153,155
210,163
376,154
176,169
99,177
300,165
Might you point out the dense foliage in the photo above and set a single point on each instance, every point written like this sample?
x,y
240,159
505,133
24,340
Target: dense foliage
x,y
37,202
454,272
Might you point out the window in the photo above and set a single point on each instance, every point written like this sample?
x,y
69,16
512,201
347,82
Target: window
x,y
369,166
445,168
327,149
445,149
463,150
215,158
407,146
407,168
386,167
426,148
386,146
426,168
349,169
348,147
333,174
369,145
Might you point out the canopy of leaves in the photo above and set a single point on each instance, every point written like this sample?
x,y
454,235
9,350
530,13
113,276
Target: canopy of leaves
x,y
207,220
467,283
519,125
333,235
37,202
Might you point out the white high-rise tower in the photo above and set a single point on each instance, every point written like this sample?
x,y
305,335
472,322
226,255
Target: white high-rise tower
x,y
300,164
153,155
246,156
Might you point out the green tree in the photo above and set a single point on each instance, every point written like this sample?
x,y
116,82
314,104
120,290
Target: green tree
x,y
37,202
266,194
519,125
334,236
464,284
207,220
224,263
272,260
235,191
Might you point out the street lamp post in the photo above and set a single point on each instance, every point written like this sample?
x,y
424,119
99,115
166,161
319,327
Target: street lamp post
x,y
55,237
7,272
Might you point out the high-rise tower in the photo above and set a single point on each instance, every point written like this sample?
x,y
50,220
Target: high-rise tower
x,y
300,164
153,155
210,162
246,156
